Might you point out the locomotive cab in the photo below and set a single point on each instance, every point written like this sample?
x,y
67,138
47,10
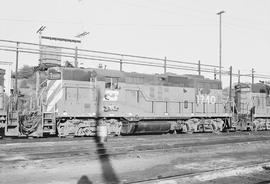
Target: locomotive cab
x,y
71,92
71,101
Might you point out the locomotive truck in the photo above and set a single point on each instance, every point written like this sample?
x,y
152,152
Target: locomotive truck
x,y
75,100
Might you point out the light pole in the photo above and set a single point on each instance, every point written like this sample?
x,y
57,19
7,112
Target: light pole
x,y
81,35
220,43
39,31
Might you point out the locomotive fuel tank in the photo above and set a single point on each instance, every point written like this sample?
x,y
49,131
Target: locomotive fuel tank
x,y
144,127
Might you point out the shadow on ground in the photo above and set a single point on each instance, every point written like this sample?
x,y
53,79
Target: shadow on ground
x,y
84,180
264,182
108,174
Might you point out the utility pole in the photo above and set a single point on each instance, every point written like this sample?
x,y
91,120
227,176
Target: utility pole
x,y
230,93
16,69
39,31
220,42
16,76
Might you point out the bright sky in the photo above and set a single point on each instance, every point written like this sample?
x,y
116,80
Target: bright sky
x,y
186,30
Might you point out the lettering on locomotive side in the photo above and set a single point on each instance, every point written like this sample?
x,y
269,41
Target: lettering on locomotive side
x,y
209,99
111,95
110,108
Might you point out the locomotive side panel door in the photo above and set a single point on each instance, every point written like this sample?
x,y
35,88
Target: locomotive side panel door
x,y
260,104
267,103
79,100
87,99
243,100
187,101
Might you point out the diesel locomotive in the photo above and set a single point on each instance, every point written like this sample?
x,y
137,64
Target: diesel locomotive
x,y
252,106
73,101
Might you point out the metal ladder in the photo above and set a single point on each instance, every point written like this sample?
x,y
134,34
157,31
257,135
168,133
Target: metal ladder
x,y
48,123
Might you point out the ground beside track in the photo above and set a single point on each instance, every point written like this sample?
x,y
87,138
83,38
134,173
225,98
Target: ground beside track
x,y
130,159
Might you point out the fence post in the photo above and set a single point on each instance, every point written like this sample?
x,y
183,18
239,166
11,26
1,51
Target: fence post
x,y
239,76
165,65
199,67
76,57
215,74
121,63
252,78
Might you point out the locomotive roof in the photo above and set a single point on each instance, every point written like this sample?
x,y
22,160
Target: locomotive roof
x,y
169,79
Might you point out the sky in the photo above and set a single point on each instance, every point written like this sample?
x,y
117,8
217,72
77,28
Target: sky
x,y
186,30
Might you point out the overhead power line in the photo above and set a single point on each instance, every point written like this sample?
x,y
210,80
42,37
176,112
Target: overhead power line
x,y
110,57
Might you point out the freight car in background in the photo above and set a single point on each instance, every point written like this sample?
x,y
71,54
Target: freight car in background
x,y
75,100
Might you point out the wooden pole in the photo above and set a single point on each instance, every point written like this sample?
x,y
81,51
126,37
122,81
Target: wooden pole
x,y
16,76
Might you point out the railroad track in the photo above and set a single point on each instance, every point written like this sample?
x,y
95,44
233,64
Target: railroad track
x,y
9,140
261,169
95,150
66,153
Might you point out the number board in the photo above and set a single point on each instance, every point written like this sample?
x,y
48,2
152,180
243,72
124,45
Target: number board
x,y
209,99
54,76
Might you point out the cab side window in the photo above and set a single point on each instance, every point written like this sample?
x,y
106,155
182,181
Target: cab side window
x,y
111,83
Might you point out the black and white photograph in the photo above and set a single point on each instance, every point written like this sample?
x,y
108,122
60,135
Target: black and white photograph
x,y
134,92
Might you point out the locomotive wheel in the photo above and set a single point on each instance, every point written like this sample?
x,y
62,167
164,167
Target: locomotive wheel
x,y
200,127
60,129
216,130
185,128
192,125
114,127
189,129
80,132
87,131
218,125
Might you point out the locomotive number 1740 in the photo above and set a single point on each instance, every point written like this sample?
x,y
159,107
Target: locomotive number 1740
x,y
209,99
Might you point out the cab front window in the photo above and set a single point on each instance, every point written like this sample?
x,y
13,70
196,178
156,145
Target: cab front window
x,y
111,83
